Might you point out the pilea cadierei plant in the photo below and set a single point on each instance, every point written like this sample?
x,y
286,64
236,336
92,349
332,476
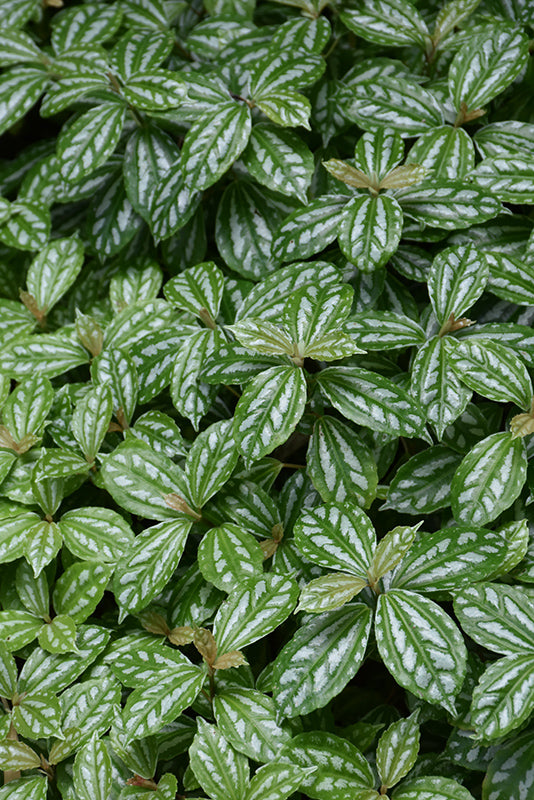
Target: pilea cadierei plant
x,y
266,355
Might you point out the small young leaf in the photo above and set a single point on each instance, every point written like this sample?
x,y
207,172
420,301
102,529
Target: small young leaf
x,y
397,750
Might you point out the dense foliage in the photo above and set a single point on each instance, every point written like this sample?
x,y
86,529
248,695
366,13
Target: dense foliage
x,y
266,521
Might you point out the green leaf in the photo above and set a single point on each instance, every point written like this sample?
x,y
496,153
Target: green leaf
x,y
339,464
21,88
337,536
59,635
504,697
53,271
436,387
341,768
43,543
221,771
370,231
370,400
80,589
499,618
309,230
421,646
140,50
449,559
140,479
312,312
37,716
149,563
214,143
450,15
423,484
258,735
160,432
452,205
89,141
281,71
432,787
268,411
33,592
396,103
227,555
485,66
457,279
88,707
210,461
83,25
96,534
91,419
320,659
93,771
111,220
253,610
447,152
198,290
397,750
279,159
395,23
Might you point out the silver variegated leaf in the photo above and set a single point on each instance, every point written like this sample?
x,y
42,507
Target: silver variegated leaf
x,y
492,370
489,479
436,387
247,719
221,771
269,410
485,66
339,464
449,559
253,610
320,659
373,401
370,231
149,564
337,536
456,280
498,617
421,646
